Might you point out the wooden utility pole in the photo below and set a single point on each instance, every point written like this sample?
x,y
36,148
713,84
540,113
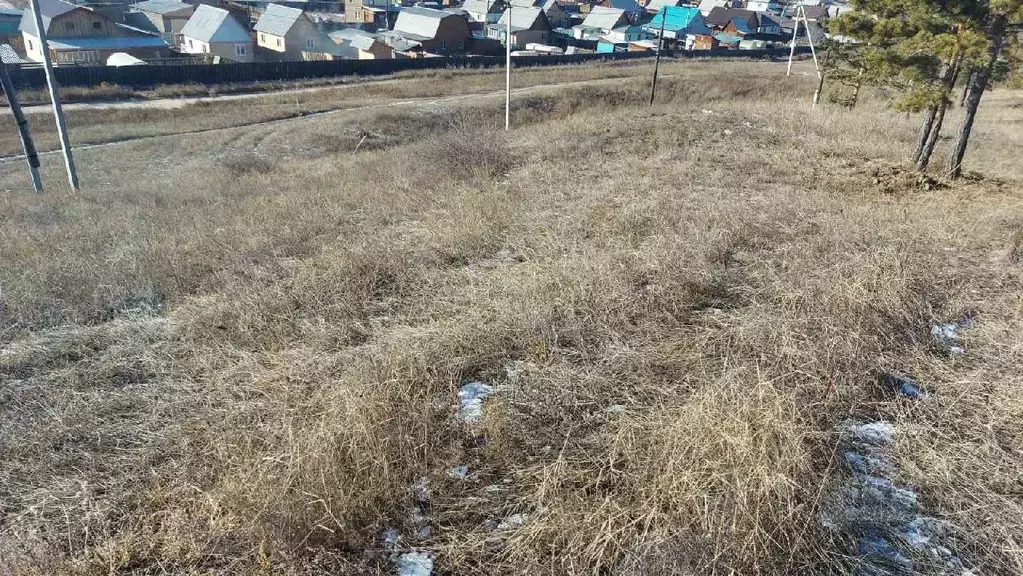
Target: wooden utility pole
x,y
58,112
7,88
657,59
507,72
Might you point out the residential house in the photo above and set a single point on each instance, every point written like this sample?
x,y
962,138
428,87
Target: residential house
x,y
80,35
771,6
707,5
719,18
619,39
552,9
379,13
600,21
214,31
529,25
683,24
358,44
10,18
426,30
288,32
768,24
742,22
484,11
655,6
165,17
630,7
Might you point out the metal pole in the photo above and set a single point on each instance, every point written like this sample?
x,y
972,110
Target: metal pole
x,y
58,112
657,60
7,87
792,48
507,74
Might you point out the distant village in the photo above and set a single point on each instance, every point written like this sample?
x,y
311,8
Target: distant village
x,y
155,32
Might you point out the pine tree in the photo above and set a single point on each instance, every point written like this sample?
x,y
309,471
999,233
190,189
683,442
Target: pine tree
x,y
921,47
998,15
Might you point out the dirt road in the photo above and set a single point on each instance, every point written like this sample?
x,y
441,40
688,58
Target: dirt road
x,y
414,102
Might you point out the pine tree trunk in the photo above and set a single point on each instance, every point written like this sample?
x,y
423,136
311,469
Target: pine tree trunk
x,y
932,138
966,88
856,89
925,134
977,85
937,114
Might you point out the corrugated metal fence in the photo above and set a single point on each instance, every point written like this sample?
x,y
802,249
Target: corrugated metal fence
x,y
212,74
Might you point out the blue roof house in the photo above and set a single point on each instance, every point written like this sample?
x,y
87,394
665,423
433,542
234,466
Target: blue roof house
x,y
679,22
10,18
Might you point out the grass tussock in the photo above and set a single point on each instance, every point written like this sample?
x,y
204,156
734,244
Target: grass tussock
x,y
249,361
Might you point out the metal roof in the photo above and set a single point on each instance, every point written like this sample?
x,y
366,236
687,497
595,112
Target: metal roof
x,y
656,5
11,12
420,23
722,16
209,24
742,26
626,5
676,18
604,18
348,34
106,42
162,6
277,20
483,6
49,9
523,18
140,21
9,56
354,37
398,42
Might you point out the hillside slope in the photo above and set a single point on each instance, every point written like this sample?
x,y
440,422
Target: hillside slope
x,y
242,352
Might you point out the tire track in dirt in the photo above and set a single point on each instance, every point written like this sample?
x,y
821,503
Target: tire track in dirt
x,y
426,102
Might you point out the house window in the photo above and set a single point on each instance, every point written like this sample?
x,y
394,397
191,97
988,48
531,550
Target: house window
x,y
310,43
262,37
239,49
461,46
97,25
443,44
29,43
278,42
190,45
69,26
543,36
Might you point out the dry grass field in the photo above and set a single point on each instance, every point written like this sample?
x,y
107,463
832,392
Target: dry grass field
x,y
240,351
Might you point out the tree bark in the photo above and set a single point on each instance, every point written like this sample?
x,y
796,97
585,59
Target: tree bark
x,y
966,88
937,113
932,138
925,134
823,73
856,89
977,85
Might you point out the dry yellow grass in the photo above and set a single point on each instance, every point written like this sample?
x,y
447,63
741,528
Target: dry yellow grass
x,y
97,124
238,352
